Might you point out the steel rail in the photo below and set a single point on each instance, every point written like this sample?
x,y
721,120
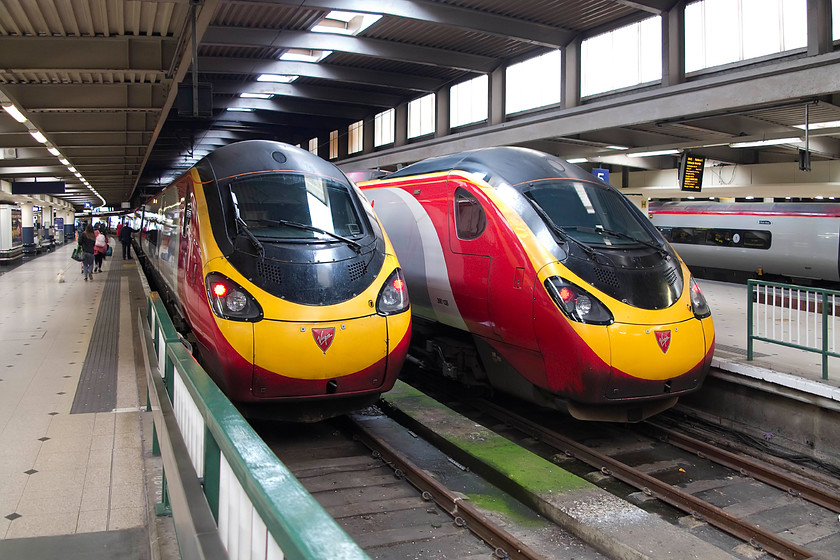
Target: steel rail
x,y
750,467
757,537
464,513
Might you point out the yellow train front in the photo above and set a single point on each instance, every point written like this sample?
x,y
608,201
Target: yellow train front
x,y
567,294
284,279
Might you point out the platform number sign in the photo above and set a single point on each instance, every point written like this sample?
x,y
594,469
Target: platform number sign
x,y
603,174
691,172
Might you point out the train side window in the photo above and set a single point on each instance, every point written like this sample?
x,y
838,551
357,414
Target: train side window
x,y
757,239
470,219
187,217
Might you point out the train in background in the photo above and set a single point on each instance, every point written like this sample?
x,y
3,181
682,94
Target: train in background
x,y
282,279
532,277
793,241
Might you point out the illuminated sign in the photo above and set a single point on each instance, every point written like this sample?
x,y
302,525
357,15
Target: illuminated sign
x,y
691,172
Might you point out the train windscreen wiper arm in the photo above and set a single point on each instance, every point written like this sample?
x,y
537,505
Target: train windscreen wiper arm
x,y
356,246
622,235
564,235
244,228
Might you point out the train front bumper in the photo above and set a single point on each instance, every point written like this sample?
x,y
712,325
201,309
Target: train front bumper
x,y
330,358
658,360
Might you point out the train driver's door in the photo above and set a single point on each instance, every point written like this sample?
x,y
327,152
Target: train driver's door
x,y
470,272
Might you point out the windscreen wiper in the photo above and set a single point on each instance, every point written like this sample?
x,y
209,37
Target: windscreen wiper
x,y
243,227
622,235
356,246
562,233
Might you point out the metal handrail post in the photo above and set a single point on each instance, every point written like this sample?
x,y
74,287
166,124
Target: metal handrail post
x,y
750,286
825,335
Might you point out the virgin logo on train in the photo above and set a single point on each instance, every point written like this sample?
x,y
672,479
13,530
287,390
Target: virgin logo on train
x,y
663,338
323,338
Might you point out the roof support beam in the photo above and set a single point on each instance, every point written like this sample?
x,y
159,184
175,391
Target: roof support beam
x,y
491,24
105,54
224,65
280,39
319,93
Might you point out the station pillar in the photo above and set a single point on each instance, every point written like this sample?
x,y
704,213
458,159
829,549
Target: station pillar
x,y
27,223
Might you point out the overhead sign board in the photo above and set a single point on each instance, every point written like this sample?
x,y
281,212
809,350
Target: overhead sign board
x,y
691,172
37,187
603,174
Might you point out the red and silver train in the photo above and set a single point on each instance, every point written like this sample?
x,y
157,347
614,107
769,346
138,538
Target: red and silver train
x,y
284,278
532,276
790,239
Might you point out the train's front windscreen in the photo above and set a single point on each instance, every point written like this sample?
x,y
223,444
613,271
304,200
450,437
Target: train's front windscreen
x,y
589,213
275,206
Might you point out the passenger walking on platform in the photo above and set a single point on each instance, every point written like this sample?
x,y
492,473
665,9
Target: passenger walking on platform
x,y
125,239
99,249
88,241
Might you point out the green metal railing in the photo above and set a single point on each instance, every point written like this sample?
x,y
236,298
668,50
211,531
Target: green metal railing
x,y
792,316
229,494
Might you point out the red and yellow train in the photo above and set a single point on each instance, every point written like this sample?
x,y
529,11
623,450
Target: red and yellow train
x,y
283,278
532,276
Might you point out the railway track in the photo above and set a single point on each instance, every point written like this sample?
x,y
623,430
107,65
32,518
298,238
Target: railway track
x,y
373,476
656,473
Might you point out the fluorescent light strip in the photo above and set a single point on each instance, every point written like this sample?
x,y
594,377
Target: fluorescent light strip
x,y
772,142
36,134
819,126
279,78
15,113
577,160
668,152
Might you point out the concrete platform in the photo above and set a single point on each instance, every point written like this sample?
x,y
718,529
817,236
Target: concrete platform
x,y
76,459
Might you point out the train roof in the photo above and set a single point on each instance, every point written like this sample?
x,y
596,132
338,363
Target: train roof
x,y
824,209
514,165
255,156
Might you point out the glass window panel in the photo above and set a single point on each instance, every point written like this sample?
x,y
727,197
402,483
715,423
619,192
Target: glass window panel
x,y
421,116
534,82
333,144
313,145
355,137
468,101
623,57
725,31
835,20
383,128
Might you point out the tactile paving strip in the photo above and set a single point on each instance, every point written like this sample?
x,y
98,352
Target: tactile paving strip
x,y
97,389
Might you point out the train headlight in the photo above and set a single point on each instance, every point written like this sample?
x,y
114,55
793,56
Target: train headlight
x,y
229,300
393,297
698,302
576,303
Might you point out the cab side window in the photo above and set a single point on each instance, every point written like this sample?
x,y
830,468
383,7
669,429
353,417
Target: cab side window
x,y
470,219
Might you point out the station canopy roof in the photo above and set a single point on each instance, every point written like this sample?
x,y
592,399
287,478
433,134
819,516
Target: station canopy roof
x,y
111,84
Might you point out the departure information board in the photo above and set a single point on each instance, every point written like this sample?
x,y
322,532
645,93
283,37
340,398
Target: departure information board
x,y
691,172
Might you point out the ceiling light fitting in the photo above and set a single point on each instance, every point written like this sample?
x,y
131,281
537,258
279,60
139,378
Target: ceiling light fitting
x,y
15,113
770,142
668,152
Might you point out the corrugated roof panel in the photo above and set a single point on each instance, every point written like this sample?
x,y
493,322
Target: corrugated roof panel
x,y
396,66
574,15
400,30
104,18
258,53
268,16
